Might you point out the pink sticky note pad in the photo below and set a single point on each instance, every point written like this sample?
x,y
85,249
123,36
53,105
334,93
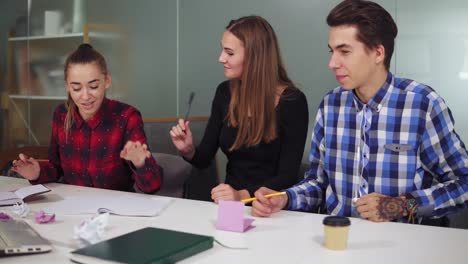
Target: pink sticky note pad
x,y
231,217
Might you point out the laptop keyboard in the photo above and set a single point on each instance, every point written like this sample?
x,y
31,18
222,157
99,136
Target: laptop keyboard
x,y
18,232
3,243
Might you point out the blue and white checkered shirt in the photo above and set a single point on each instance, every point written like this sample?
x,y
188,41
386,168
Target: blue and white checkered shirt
x,y
402,141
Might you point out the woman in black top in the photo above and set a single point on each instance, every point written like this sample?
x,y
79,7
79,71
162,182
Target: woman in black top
x,y
258,117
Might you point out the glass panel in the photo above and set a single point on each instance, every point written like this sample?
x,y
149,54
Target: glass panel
x,y
166,49
302,33
432,48
149,58
112,43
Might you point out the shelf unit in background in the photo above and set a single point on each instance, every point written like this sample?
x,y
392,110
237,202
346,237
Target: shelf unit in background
x,y
69,35
35,82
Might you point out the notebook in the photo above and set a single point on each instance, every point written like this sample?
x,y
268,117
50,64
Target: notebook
x,y
10,198
17,237
147,245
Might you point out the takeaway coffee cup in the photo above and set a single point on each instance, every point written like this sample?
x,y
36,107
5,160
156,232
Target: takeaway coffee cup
x,y
336,232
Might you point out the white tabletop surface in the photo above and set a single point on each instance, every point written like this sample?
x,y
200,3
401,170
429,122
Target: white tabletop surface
x,y
287,237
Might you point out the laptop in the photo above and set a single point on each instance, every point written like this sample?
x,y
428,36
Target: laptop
x,y
18,238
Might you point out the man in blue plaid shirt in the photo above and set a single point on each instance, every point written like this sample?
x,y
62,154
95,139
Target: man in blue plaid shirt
x,y
383,148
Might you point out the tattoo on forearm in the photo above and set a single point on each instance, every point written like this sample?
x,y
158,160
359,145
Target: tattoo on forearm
x,y
391,208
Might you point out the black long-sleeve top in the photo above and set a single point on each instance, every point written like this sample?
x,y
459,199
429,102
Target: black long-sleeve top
x,y
274,165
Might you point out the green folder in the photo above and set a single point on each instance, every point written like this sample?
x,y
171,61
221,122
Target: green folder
x,y
147,245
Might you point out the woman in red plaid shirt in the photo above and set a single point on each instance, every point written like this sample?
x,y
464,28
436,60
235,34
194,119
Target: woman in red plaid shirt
x,y
95,141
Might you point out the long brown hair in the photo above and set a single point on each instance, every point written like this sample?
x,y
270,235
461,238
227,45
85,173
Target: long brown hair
x,y
84,54
252,105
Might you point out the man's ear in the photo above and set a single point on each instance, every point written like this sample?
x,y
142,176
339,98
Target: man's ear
x,y
379,54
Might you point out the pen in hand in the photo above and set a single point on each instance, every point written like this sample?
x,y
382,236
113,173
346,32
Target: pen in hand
x,y
249,200
192,95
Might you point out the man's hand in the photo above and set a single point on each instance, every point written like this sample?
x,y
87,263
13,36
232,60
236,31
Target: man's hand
x,y
265,207
377,207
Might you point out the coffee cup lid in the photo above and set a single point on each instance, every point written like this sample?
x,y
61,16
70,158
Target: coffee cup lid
x,y
336,221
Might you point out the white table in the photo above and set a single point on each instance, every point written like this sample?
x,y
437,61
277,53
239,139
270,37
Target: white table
x,y
287,237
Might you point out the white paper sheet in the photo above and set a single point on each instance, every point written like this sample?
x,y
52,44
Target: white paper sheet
x,y
122,205
8,196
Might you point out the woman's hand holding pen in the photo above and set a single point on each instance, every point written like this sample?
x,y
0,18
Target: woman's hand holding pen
x,y
181,136
264,207
27,167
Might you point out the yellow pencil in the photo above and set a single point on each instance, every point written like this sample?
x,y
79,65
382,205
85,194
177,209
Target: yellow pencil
x,y
266,196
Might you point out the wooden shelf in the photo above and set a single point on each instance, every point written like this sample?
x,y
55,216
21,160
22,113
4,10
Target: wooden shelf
x,y
55,97
37,97
70,35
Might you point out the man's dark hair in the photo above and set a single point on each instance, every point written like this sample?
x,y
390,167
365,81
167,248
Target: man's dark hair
x,y
374,24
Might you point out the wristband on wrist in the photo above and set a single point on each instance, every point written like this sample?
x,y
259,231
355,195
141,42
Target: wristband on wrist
x,y
287,205
411,206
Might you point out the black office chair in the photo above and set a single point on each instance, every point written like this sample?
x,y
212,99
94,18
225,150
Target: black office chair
x,y
459,220
199,183
176,172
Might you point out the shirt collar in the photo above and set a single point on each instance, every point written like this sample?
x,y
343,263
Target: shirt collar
x,y
376,102
94,121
